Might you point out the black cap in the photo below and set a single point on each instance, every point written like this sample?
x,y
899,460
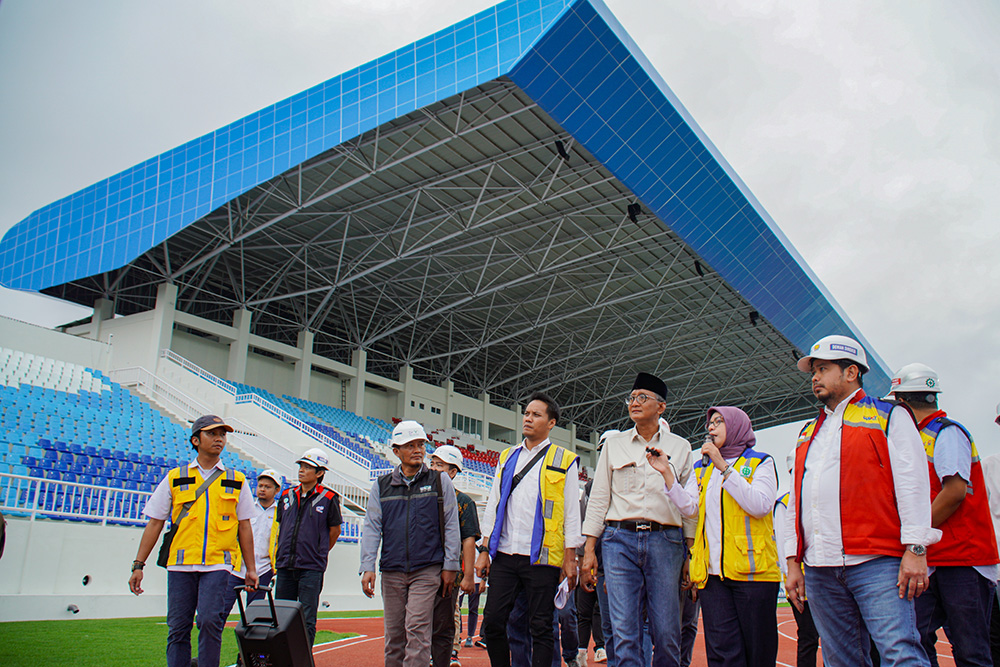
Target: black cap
x,y
209,421
650,383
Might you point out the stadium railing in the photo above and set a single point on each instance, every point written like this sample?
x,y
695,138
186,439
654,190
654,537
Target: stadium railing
x,y
34,498
266,405
263,449
469,480
43,498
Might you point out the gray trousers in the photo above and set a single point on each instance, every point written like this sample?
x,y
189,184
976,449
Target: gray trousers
x,y
408,598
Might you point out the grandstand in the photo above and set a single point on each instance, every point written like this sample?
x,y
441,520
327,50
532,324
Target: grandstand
x,y
518,202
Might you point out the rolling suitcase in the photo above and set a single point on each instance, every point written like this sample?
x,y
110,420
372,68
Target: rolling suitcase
x,y
272,633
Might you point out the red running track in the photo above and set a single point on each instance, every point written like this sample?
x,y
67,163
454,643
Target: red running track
x,y
367,650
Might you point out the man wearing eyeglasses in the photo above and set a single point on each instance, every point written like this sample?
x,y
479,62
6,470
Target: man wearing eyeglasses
x,y
413,512
642,531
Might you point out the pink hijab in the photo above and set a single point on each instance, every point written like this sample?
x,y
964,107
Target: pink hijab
x,y
739,431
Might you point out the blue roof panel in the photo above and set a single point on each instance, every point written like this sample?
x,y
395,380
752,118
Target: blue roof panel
x,y
572,57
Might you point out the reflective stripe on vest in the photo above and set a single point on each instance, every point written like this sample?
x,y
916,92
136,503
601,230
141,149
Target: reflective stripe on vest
x,y
547,536
964,542
209,533
869,519
749,551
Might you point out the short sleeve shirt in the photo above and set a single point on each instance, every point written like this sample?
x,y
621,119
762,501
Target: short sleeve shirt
x,y
468,517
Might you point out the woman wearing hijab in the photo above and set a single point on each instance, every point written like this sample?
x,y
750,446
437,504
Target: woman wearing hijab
x,y
734,561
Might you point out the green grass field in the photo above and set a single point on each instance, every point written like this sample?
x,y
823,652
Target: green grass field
x,y
125,642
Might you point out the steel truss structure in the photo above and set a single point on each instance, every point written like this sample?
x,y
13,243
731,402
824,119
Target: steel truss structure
x,y
475,241
516,202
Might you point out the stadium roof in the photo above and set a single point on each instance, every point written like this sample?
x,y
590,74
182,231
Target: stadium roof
x,y
516,202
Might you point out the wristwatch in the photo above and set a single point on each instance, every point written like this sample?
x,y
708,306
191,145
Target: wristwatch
x,y
481,549
138,565
917,549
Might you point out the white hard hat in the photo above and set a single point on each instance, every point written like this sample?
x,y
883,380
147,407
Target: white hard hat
x,y
834,347
315,457
916,379
273,475
407,431
449,454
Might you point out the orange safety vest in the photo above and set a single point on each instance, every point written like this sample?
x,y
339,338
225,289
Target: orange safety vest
x,y
869,519
966,536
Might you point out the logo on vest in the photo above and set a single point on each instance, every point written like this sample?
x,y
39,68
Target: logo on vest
x,y
319,508
425,488
745,470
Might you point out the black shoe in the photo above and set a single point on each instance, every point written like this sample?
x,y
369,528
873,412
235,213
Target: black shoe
x,y
479,643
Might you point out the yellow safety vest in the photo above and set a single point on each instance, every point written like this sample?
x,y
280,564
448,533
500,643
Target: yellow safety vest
x,y
548,544
749,550
208,535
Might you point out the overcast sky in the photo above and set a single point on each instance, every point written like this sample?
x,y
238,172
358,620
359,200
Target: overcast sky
x,y
870,130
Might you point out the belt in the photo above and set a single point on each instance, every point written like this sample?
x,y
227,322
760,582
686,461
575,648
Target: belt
x,y
640,526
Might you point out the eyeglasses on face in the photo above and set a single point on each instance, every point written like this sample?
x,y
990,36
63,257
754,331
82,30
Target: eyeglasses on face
x,y
638,398
715,423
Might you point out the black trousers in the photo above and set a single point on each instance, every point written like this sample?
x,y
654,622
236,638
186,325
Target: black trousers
x,y
808,636
995,629
443,632
588,618
509,575
741,622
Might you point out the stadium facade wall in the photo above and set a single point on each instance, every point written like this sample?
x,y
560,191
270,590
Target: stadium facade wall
x,y
45,562
40,341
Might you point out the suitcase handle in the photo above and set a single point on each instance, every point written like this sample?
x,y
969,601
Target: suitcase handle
x,y
270,601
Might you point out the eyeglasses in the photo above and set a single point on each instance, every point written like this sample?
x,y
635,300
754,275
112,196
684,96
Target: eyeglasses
x,y
716,423
638,398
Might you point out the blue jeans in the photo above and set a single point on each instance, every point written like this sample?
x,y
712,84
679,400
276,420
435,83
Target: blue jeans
x,y
689,626
305,586
848,603
962,599
642,570
609,633
520,640
187,592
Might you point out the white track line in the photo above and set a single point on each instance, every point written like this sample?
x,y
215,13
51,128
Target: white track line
x,y
356,643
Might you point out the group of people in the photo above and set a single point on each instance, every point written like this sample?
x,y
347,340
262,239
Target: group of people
x,y
885,537
222,539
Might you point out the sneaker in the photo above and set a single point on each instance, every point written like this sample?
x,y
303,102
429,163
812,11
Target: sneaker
x,y
468,642
600,655
479,643
581,658
455,662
